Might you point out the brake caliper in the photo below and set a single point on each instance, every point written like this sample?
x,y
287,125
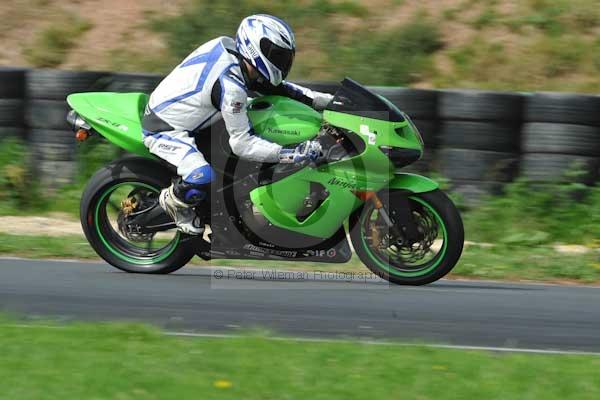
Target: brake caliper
x,y
129,205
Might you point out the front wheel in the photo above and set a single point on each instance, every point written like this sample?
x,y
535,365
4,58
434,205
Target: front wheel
x,y
130,185
390,255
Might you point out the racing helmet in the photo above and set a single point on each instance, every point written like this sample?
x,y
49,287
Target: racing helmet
x,y
268,44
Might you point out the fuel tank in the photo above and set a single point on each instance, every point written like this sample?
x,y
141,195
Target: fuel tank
x,y
282,120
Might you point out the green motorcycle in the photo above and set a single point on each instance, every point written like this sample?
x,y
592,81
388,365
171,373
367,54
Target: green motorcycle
x,y
401,225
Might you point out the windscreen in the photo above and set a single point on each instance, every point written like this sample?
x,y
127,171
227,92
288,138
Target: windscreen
x,y
353,98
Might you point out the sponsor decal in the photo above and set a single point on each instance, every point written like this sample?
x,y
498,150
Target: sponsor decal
x,y
198,175
341,183
262,250
314,253
236,107
253,52
168,147
278,131
320,253
371,136
114,124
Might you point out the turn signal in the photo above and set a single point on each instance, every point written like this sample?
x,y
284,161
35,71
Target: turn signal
x,y
82,135
366,196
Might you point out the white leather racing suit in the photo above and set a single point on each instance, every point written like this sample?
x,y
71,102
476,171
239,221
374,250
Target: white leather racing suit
x,y
207,86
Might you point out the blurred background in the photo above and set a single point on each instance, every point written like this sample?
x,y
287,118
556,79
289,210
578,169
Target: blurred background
x,y
504,92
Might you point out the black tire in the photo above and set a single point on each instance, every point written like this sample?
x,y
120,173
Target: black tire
x,y
477,105
540,137
417,103
57,85
464,164
131,169
565,108
12,83
54,151
429,130
474,193
62,137
543,167
494,136
47,114
450,216
11,112
126,83
54,174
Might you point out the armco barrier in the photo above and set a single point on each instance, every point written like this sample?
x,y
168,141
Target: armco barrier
x,y
478,139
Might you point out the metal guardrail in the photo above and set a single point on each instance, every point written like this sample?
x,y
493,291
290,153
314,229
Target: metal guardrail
x,y
478,139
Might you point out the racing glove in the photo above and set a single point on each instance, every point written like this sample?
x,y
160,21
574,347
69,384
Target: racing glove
x,y
309,150
321,101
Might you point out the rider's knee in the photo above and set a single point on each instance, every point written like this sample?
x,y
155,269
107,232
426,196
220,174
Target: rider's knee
x,y
195,187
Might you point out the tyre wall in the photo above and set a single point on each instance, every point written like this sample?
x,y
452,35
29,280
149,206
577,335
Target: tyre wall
x,y
478,140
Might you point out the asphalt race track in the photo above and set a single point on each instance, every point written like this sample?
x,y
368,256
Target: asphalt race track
x,y
308,305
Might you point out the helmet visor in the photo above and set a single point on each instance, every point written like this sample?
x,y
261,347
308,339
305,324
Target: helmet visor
x,y
280,57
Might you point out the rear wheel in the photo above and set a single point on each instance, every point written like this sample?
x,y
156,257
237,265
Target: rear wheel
x,y
130,186
398,260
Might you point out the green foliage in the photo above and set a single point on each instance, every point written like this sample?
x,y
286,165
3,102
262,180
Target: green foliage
x,y
45,247
92,155
486,18
126,361
51,46
203,20
542,60
527,260
395,57
556,17
16,186
20,192
529,215
125,59
562,55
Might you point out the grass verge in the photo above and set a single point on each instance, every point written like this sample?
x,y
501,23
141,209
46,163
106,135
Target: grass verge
x,y
117,361
542,263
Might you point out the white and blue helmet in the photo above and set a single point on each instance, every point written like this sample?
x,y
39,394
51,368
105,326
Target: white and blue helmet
x,y
267,43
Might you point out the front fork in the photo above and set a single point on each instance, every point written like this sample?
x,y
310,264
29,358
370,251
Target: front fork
x,y
404,226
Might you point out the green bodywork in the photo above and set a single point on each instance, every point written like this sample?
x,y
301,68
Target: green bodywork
x,y
115,116
281,120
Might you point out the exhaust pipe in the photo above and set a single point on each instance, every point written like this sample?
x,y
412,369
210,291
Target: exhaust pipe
x,y
82,129
77,122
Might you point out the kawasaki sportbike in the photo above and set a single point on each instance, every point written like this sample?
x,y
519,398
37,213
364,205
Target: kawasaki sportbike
x,y
402,227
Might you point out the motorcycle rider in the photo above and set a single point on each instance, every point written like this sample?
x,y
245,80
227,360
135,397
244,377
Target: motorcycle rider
x,y
213,83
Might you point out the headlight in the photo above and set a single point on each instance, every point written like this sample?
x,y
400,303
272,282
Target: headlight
x,y
400,157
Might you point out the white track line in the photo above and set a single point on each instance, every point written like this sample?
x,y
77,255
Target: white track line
x,y
325,269
349,341
384,343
